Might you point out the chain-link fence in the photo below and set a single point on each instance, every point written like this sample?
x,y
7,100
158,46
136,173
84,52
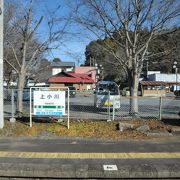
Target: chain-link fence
x,y
82,106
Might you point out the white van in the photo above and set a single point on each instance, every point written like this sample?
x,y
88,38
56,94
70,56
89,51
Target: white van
x,y
107,95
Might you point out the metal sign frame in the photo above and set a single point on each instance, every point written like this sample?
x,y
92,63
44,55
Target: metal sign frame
x,y
49,89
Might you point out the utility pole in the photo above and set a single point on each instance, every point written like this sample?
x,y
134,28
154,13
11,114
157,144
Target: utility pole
x,y
1,67
176,71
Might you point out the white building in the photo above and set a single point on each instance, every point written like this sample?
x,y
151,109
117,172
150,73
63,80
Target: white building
x,y
58,67
169,78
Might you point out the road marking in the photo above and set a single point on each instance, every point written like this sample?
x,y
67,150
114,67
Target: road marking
x,y
8,154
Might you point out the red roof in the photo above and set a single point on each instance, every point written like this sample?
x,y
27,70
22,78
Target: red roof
x,y
70,78
90,70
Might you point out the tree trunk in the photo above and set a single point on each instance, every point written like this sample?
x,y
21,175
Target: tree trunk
x,y
21,82
133,85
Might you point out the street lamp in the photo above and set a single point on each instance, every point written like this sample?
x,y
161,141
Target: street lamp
x,y
99,72
146,58
176,69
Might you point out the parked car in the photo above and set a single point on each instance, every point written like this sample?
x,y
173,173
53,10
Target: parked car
x,y
26,94
72,91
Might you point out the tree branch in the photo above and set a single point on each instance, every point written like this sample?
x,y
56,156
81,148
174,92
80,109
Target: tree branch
x,y
11,65
14,53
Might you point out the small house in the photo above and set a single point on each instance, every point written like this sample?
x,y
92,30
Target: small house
x,y
158,84
79,81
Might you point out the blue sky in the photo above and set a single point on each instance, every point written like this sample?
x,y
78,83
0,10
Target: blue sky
x,y
73,48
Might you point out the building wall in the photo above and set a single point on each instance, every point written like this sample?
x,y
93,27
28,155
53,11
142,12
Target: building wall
x,y
56,85
153,72
164,77
155,93
70,69
58,70
80,86
86,70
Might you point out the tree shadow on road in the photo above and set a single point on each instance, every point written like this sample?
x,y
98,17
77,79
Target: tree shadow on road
x,y
173,122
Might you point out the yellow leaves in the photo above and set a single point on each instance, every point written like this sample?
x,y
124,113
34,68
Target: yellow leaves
x,y
83,128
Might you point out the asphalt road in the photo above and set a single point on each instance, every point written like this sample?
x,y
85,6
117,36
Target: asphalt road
x,y
82,107
148,107
89,158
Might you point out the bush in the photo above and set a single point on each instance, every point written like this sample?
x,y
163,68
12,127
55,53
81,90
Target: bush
x,y
177,92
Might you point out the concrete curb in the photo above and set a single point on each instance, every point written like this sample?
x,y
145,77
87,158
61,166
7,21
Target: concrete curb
x,y
88,171
88,139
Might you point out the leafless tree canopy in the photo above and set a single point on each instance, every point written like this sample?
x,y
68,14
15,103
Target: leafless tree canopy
x,y
127,19
127,25
24,41
131,25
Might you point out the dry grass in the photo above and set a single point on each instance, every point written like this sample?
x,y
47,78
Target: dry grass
x,y
88,128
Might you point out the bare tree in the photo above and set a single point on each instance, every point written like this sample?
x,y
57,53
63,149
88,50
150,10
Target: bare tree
x,y
10,11
27,47
131,25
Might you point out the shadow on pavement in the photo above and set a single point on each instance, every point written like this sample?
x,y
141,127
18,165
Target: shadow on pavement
x,y
25,120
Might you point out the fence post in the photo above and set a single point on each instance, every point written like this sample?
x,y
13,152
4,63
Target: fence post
x,y
160,108
30,108
113,109
12,119
109,108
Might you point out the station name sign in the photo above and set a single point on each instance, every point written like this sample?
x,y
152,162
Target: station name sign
x,y
49,103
